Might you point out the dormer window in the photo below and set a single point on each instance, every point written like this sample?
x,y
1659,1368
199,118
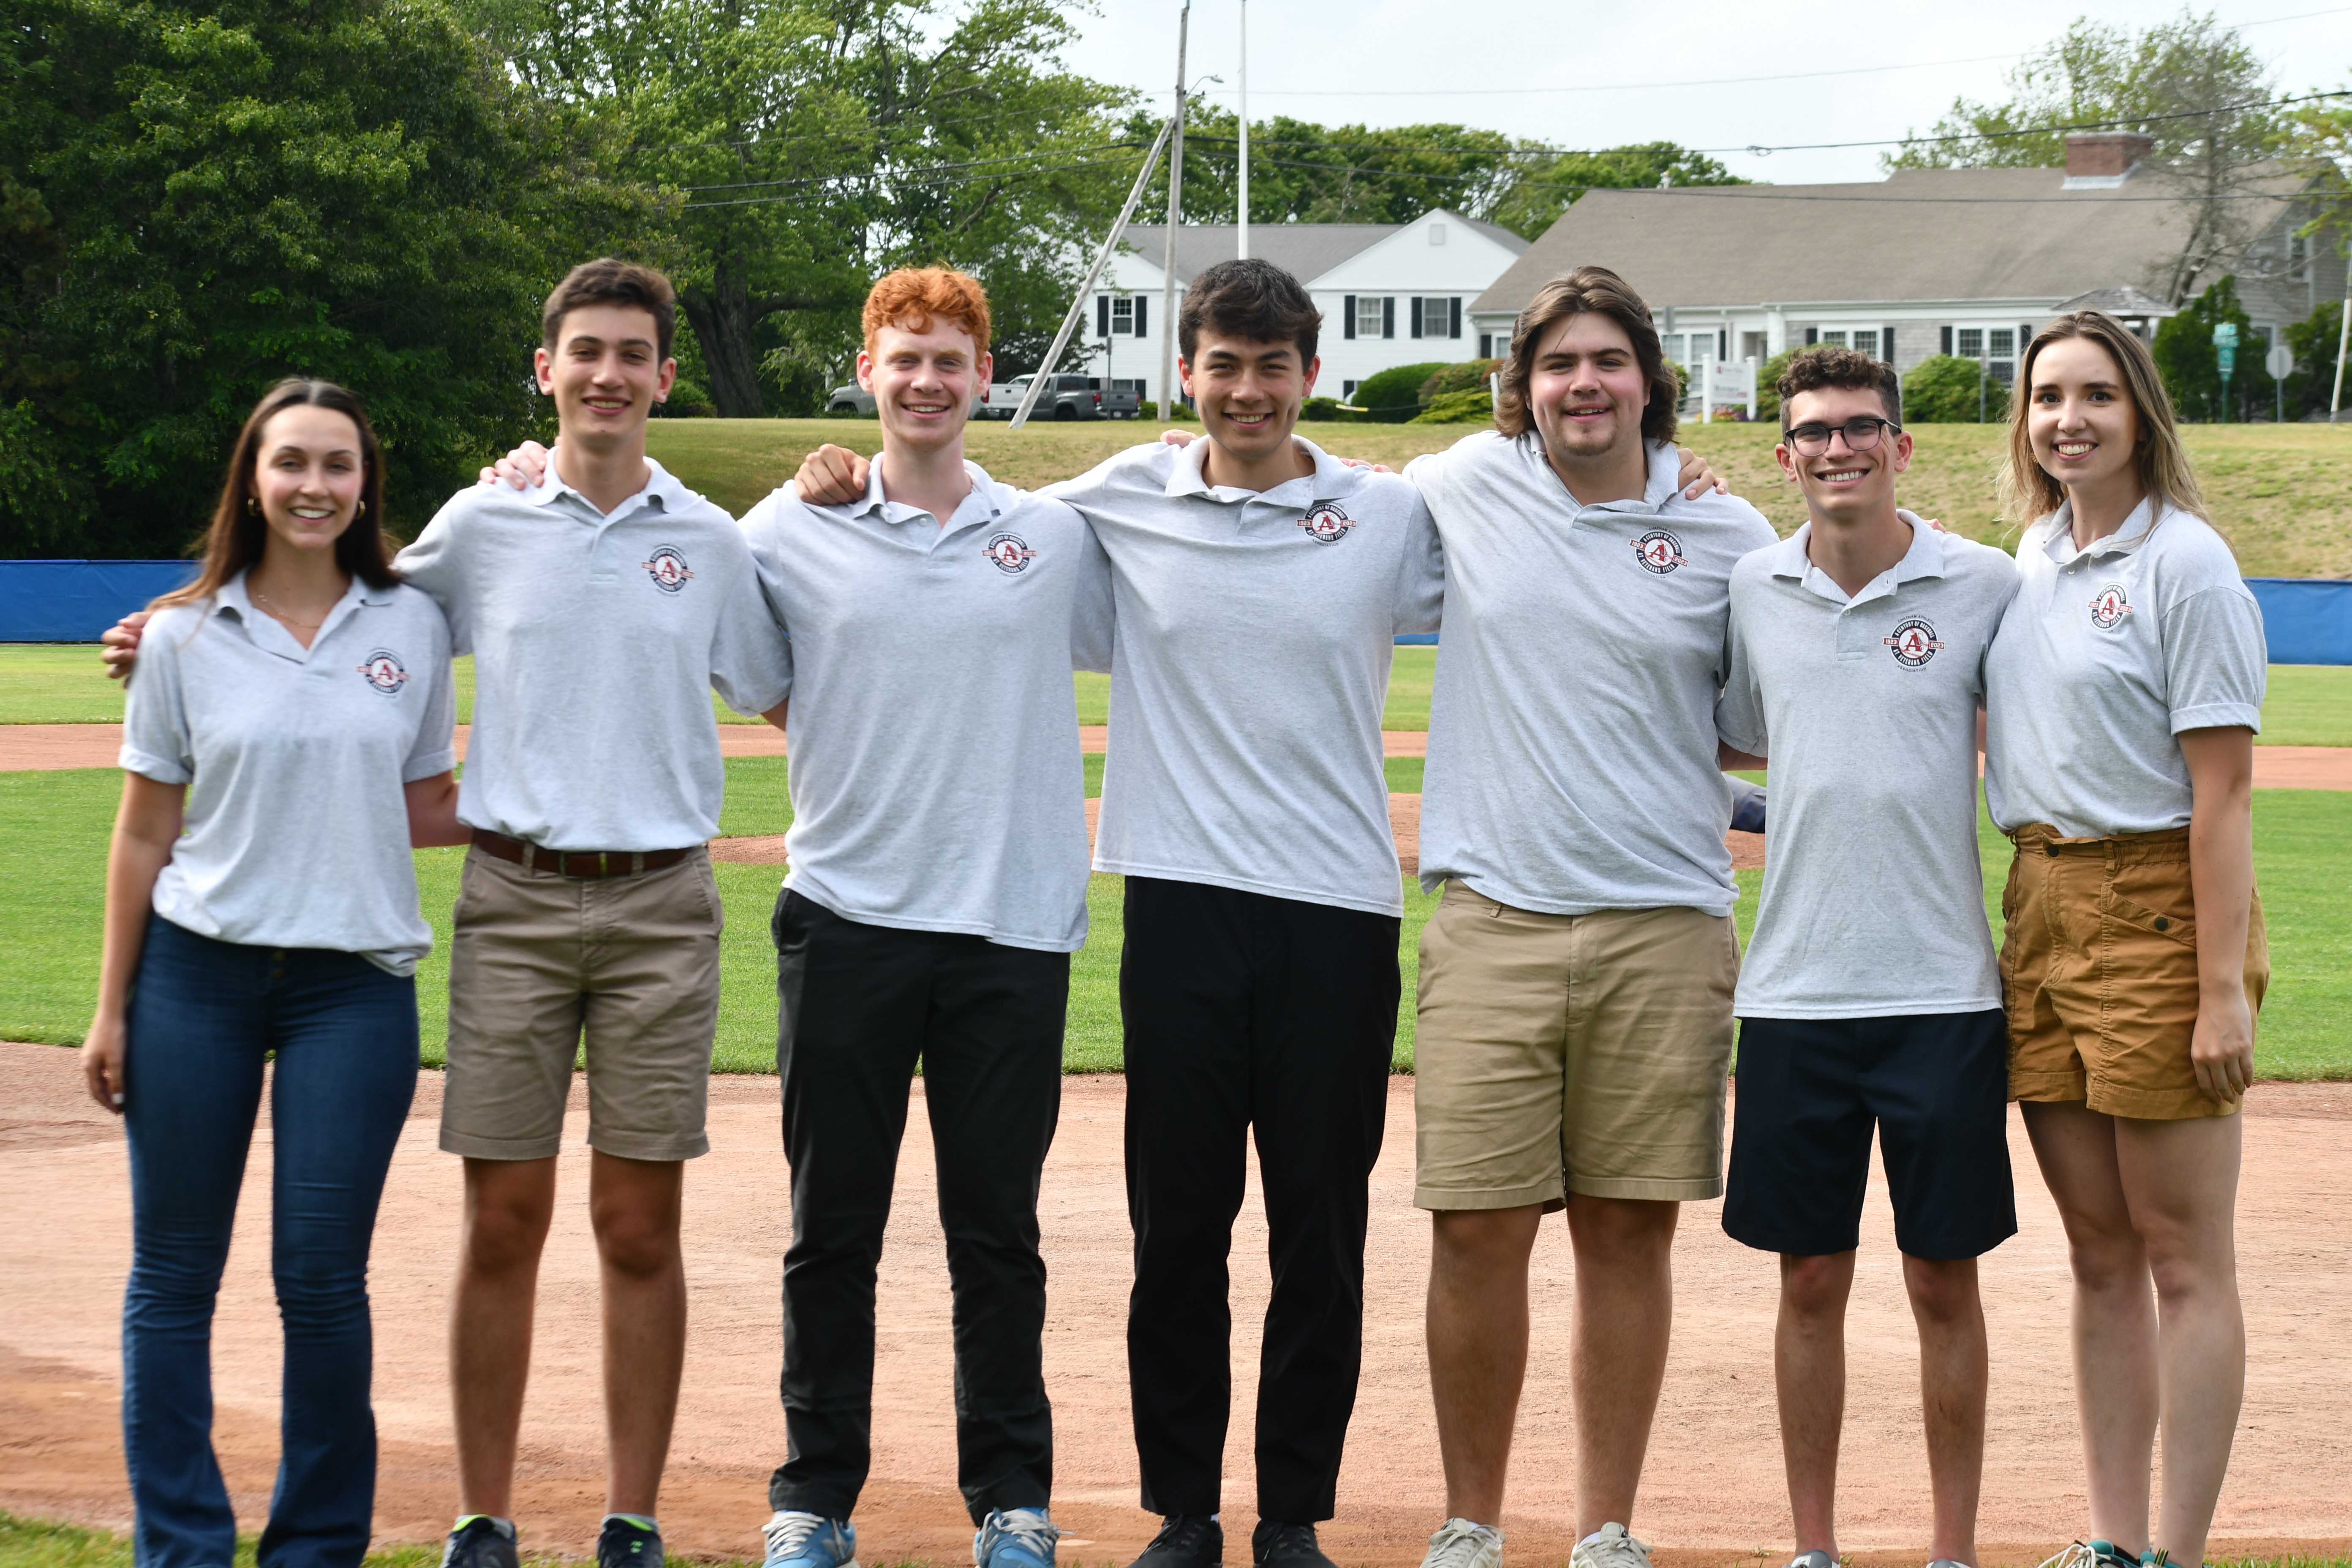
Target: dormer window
x,y
1437,234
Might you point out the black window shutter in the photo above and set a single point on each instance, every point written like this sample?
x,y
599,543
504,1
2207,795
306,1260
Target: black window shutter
x,y
1347,317
1454,317
1812,336
1485,346
1886,345
1947,340
1102,315
1138,316
1416,315
1387,315
1723,343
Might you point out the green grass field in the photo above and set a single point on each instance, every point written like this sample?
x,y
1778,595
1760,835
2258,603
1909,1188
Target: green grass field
x,y
56,824
2282,494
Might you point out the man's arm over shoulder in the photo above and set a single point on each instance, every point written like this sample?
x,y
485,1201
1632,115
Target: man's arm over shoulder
x,y
1119,470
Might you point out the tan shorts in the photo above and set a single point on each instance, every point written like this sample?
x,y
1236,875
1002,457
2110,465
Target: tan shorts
x,y
539,959
2098,973
1561,1054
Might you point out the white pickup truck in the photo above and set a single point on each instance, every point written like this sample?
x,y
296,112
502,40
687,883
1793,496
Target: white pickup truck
x,y
1069,397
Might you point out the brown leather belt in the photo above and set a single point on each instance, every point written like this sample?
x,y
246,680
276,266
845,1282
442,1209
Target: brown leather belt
x,y
579,863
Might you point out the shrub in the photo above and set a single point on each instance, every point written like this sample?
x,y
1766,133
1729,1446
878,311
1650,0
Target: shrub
x,y
1470,375
687,400
1320,410
1184,416
1394,396
1767,381
1464,407
1942,390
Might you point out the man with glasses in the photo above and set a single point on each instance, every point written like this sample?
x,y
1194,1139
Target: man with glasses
x,y
1870,997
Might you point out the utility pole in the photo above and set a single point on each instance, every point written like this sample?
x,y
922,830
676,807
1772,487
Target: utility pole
x,y
2343,335
1175,215
1244,190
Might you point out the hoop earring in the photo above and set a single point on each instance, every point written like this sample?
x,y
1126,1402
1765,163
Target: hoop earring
x,y
362,510
253,506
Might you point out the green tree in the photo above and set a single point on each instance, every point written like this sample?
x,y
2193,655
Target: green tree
x,y
1301,171
2316,342
198,198
2193,87
1943,389
2192,364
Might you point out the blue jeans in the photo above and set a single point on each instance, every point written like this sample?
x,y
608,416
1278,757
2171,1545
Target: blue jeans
x,y
203,1016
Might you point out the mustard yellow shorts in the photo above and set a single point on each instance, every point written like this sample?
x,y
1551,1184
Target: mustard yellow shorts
x,y
2098,973
1557,1054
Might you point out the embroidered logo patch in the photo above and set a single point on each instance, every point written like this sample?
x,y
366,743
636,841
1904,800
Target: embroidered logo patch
x,y
1008,554
2108,608
1913,643
1326,522
384,672
667,569
1659,551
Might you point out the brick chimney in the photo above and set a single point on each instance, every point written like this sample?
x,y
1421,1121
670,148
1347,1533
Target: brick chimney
x,y
2105,154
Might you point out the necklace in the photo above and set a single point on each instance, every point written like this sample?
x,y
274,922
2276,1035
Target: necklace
x,y
264,601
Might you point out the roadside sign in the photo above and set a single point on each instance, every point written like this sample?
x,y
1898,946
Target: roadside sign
x,y
2279,362
1726,381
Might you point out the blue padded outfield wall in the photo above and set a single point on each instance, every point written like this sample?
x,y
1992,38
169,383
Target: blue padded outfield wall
x,y
2307,620
74,601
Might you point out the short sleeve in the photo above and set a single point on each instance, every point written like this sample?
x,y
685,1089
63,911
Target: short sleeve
x,y
156,740
764,533
2216,662
432,564
751,659
1420,575
1739,706
1092,609
434,750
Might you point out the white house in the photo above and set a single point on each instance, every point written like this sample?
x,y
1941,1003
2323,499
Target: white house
x,y
1391,294
1956,261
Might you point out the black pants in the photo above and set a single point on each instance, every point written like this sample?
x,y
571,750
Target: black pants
x,y
858,1006
1248,1011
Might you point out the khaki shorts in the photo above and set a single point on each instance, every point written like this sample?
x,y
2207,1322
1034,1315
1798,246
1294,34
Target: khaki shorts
x,y
1560,1054
2098,973
539,959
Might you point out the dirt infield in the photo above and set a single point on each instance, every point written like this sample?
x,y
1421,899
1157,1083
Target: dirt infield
x,y
1712,1494
46,746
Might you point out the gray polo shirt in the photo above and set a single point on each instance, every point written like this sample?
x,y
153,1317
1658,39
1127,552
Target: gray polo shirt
x,y
936,779
1254,632
2107,655
1571,730
1873,896
296,829
597,640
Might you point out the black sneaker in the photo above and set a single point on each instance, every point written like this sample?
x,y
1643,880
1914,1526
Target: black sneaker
x,y
1185,1541
628,1542
1277,1545
478,1542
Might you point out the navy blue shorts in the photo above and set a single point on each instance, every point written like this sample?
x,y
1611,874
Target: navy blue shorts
x,y
1935,1087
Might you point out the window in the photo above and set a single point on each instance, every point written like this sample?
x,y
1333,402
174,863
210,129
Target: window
x,y
1436,316
1837,337
2004,343
2000,356
1368,315
2298,257
1122,318
1865,341
1972,342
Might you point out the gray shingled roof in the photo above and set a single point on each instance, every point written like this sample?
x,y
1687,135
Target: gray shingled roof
x,y
1921,234
1305,250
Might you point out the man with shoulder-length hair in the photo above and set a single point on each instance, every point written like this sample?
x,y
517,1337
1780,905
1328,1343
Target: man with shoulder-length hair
x,y
1576,981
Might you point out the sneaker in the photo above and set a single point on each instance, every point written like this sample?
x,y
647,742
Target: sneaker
x,y
800,1539
1462,1544
628,1541
1817,1557
1015,1538
2093,1555
479,1542
1611,1547
1277,1545
1948,1563
1185,1541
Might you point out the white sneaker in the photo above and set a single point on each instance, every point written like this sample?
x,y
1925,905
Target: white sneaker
x,y
1611,1547
1462,1544
1817,1557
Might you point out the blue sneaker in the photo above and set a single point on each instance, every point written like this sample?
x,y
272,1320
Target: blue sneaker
x,y
1015,1538
799,1540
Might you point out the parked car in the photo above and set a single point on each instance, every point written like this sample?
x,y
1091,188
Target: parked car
x,y
856,399
1067,398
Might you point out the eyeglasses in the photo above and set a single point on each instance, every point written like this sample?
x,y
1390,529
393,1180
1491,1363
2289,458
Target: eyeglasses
x,y
1861,433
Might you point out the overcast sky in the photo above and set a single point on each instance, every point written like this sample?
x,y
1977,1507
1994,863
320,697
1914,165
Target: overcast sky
x,y
1502,64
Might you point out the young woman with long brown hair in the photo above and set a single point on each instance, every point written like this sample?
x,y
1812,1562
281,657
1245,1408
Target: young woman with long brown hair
x,y
2122,694
288,736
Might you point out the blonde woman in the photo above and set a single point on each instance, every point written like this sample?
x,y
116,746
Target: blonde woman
x,y
288,735
2122,694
